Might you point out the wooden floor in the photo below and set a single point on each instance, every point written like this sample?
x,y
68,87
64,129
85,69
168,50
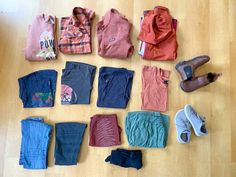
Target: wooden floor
x,y
205,27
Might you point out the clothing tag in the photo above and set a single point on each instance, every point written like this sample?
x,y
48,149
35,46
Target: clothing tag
x,y
166,82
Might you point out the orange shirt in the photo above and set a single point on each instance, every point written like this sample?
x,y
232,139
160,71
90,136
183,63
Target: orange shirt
x,y
154,88
159,35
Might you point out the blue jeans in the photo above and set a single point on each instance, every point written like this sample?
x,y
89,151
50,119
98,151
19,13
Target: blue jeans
x,y
34,143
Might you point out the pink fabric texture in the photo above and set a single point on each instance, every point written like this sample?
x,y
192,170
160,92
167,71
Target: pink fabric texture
x,y
113,36
76,32
41,41
104,131
154,88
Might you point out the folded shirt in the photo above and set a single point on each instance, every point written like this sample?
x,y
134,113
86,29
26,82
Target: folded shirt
x,y
113,33
114,87
76,32
147,129
69,137
158,35
104,130
34,143
41,41
154,88
126,158
77,83
38,89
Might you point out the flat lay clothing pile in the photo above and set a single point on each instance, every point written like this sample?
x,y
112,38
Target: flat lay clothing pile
x,y
145,128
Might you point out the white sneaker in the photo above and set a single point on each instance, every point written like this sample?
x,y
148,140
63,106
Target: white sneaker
x,y
182,127
197,122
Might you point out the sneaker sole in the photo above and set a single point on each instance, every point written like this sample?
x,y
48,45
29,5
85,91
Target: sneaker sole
x,y
194,128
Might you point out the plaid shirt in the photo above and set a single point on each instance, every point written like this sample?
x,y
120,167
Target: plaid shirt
x,y
76,32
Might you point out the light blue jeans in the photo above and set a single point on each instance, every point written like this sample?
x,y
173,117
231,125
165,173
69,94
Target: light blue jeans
x,y
34,143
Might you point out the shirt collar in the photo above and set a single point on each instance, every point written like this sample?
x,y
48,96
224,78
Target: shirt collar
x,y
75,21
108,15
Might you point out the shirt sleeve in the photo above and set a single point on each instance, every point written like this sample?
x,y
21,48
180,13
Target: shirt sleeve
x,y
90,13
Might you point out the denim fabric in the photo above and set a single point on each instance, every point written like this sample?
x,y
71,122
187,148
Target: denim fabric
x,y
126,158
69,136
77,83
114,87
147,129
34,143
38,89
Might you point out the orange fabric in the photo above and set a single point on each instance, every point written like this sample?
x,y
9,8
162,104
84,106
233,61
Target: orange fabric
x,y
158,35
154,88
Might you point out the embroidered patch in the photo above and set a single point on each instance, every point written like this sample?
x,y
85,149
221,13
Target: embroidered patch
x,y
112,39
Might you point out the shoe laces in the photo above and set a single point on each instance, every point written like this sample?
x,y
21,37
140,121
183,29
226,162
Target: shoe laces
x,y
187,124
202,119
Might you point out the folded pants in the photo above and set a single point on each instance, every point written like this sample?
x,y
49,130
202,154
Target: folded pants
x,y
34,143
69,136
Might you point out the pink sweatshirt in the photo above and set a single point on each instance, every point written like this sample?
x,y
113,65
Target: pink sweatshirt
x,y
41,41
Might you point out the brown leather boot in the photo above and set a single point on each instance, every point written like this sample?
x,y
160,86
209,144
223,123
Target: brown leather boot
x,y
199,81
186,68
